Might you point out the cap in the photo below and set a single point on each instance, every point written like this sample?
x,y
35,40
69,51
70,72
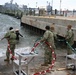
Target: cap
x,y
10,28
17,29
47,27
52,28
69,26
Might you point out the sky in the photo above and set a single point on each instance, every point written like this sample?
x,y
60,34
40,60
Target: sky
x,y
64,4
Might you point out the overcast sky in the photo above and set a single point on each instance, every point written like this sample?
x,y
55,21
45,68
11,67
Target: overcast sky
x,y
65,4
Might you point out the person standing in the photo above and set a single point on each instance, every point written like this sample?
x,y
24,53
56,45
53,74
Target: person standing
x,y
53,31
17,35
69,38
11,38
48,37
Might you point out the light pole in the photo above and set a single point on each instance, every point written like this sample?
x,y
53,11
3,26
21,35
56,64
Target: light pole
x,y
52,7
60,7
36,4
47,3
28,8
52,4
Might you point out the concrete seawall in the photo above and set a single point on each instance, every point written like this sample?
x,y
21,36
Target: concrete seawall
x,y
60,23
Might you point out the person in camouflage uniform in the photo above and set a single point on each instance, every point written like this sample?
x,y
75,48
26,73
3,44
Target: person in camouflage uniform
x,y
52,29
17,35
48,37
11,38
69,38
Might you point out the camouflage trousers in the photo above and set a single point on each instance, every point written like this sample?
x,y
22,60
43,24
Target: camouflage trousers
x,y
12,48
69,51
47,55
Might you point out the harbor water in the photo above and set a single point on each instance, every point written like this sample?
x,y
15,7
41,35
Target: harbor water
x,y
28,38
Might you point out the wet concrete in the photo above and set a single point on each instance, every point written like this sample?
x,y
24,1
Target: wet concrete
x,y
35,66
28,40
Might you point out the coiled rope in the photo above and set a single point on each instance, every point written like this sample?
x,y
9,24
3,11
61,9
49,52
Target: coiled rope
x,y
73,50
51,64
9,50
53,60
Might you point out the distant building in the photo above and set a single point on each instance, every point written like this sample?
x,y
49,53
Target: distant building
x,y
11,6
49,9
24,7
42,10
1,8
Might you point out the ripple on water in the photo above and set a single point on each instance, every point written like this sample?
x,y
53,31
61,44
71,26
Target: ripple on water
x,y
6,22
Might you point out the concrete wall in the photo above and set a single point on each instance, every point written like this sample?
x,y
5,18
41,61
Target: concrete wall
x,y
60,23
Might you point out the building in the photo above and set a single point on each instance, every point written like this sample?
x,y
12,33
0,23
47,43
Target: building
x,y
49,9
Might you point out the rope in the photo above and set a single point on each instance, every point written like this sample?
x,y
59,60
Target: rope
x,y
53,56
69,45
37,40
9,50
53,60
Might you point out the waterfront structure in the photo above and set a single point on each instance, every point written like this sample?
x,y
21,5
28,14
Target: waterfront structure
x,y
11,6
38,23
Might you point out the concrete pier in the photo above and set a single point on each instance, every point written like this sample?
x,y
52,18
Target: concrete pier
x,y
60,23
33,67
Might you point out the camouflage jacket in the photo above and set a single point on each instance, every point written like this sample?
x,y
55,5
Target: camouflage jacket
x,y
70,37
11,37
49,37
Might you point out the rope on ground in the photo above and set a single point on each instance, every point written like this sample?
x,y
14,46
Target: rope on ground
x,y
13,57
69,45
53,56
53,60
